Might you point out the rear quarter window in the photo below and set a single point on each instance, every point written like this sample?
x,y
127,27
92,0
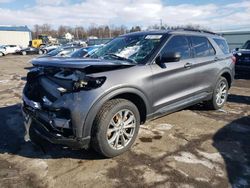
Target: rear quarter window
x,y
202,47
223,45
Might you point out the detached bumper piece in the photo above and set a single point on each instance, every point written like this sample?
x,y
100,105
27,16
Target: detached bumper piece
x,y
56,130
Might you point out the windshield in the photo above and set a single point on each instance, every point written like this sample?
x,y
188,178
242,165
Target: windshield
x,y
246,45
133,48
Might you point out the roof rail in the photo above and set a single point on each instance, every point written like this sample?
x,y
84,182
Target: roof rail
x,y
196,30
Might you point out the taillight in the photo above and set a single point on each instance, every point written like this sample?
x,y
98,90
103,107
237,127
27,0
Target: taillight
x,y
233,59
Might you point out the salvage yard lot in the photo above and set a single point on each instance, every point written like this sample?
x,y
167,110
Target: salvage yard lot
x,y
189,148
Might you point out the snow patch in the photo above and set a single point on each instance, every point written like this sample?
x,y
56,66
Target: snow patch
x,y
4,81
216,157
190,158
163,127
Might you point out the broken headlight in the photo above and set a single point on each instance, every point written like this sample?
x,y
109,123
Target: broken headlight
x,y
88,83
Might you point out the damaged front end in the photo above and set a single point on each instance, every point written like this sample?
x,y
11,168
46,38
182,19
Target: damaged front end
x,y
50,99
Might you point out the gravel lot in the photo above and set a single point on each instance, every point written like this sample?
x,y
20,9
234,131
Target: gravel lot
x,y
189,148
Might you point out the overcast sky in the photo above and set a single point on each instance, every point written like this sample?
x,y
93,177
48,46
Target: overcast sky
x,y
214,14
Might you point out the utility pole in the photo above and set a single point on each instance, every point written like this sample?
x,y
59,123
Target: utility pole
x,y
109,32
160,23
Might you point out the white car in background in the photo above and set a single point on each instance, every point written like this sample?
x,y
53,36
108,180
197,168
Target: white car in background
x,y
2,50
9,49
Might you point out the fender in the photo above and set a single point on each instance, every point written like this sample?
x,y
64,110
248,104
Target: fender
x,y
88,122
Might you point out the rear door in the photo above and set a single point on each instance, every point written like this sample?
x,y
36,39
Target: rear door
x,y
175,82
204,63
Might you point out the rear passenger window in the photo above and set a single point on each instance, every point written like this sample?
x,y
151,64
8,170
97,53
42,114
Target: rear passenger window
x,y
223,45
202,47
178,44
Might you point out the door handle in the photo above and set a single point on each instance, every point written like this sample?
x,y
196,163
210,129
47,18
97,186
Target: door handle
x,y
187,65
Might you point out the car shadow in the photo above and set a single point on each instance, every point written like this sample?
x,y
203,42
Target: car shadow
x,y
232,141
12,140
238,99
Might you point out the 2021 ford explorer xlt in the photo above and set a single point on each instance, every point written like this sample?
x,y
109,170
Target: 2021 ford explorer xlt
x,y
101,100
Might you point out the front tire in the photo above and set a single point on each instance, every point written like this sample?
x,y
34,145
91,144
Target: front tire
x,y
115,127
220,95
24,53
1,54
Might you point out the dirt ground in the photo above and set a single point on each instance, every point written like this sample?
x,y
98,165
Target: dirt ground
x,y
189,148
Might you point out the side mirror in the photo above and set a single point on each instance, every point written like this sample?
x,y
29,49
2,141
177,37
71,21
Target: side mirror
x,y
168,57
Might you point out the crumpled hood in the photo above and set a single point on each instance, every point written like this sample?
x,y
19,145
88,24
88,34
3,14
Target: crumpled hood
x,y
77,63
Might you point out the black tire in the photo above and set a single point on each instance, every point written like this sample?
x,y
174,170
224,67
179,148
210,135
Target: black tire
x,y
1,54
24,53
213,103
102,124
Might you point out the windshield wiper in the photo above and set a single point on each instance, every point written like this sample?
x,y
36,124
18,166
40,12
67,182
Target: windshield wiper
x,y
121,58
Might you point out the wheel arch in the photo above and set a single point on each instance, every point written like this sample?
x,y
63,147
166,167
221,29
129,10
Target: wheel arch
x,y
226,73
228,77
132,94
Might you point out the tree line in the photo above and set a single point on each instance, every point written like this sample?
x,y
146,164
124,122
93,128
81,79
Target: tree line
x,y
104,31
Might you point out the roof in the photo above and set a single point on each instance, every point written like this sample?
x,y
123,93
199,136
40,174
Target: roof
x,y
14,28
182,31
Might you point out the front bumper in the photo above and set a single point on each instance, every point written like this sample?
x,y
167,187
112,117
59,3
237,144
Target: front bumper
x,y
50,127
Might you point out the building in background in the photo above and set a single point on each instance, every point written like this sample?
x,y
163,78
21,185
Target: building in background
x,y
15,35
235,39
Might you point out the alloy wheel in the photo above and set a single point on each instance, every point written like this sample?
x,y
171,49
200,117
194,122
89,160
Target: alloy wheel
x,y
121,129
221,93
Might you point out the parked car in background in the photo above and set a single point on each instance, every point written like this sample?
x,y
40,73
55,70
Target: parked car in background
x,y
84,51
242,56
93,42
12,48
3,50
28,51
9,49
102,100
62,52
48,48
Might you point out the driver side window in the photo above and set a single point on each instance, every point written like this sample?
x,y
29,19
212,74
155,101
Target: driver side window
x,y
178,44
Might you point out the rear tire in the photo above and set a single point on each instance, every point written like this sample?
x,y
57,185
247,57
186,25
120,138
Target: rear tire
x,y
115,127
220,95
24,53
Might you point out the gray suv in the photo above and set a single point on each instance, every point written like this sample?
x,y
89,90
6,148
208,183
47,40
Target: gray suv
x,y
102,100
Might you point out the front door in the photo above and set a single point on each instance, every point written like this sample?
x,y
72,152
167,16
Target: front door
x,y
175,82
